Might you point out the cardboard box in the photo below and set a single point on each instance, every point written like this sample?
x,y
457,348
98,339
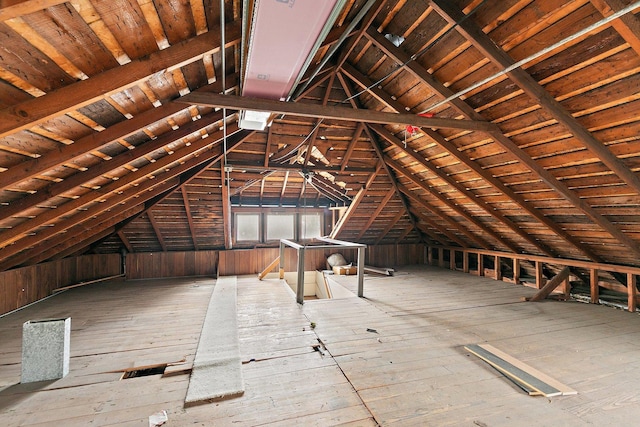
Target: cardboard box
x,y
345,270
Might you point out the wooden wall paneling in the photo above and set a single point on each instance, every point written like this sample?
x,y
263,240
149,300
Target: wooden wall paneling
x,y
22,286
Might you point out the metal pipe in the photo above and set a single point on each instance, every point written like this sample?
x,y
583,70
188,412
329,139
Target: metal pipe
x,y
536,55
336,46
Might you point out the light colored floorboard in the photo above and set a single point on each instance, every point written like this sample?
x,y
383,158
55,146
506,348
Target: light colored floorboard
x,y
411,371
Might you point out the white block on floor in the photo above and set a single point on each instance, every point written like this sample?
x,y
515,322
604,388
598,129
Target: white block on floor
x,y
45,349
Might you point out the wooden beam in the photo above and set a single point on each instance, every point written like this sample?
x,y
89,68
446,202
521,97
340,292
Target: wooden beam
x,y
267,151
130,178
330,112
375,213
436,212
187,210
364,24
156,229
354,204
162,180
312,139
529,85
389,226
460,211
97,140
540,279
593,284
632,292
467,111
375,144
551,285
122,159
269,268
442,175
37,110
142,192
351,146
628,26
54,247
10,9
125,241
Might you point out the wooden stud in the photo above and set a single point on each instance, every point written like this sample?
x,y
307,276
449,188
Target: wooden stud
x,y
497,273
516,271
632,292
540,280
480,265
452,259
465,261
595,288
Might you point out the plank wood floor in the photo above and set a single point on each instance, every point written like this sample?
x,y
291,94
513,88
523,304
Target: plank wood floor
x,y
395,357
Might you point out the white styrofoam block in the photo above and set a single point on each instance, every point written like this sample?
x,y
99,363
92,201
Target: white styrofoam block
x,y
45,349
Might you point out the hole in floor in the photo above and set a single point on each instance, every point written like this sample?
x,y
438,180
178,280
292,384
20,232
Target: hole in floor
x,y
144,372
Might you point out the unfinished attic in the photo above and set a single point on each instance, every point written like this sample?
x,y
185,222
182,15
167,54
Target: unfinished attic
x,y
175,175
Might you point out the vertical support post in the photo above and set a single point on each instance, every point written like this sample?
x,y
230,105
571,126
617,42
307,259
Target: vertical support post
x,y
595,289
516,271
429,255
300,284
441,257
360,272
465,261
281,269
540,281
497,274
631,292
480,265
566,287
452,259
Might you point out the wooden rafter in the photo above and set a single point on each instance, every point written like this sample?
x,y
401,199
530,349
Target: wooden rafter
x,y
284,186
34,111
122,159
166,179
375,213
314,135
95,141
467,111
462,189
628,26
375,144
156,230
444,217
392,103
366,22
399,168
330,112
187,210
80,233
125,241
529,85
267,151
354,204
351,146
14,9
91,196
389,226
